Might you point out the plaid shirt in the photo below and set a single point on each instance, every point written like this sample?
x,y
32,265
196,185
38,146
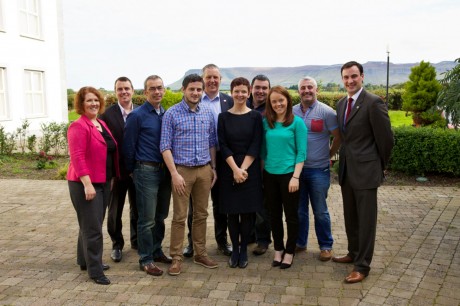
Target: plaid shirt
x,y
188,134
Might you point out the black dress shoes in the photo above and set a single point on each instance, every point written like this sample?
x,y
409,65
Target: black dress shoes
x,y
232,264
104,267
188,251
225,249
243,264
101,280
116,255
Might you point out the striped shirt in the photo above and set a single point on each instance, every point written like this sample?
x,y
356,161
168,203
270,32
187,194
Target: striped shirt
x,y
188,134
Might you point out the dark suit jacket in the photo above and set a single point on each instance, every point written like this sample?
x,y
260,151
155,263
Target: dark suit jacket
x,y
114,120
367,141
226,102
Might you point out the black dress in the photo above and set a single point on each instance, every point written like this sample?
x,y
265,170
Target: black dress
x,y
240,135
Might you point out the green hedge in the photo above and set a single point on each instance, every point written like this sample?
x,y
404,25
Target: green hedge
x,y
426,150
170,98
331,98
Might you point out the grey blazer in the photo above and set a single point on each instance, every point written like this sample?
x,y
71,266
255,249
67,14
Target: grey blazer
x,y
367,141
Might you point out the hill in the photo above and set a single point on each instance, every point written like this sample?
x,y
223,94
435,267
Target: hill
x,y
374,73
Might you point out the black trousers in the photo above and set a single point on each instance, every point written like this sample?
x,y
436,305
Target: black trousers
x,y
279,200
115,211
90,216
360,214
239,228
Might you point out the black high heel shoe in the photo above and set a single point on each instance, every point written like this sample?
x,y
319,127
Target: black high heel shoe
x,y
276,263
284,265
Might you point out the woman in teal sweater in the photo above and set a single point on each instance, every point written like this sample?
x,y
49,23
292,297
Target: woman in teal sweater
x,y
284,151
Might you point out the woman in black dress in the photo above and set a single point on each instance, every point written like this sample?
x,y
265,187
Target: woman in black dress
x,y
240,136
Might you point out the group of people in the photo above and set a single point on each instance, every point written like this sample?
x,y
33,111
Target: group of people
x,y
258,156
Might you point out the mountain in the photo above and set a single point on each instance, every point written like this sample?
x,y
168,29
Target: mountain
x,y
374,73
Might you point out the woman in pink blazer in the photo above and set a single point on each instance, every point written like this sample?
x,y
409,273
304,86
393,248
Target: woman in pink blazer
x,y
93,164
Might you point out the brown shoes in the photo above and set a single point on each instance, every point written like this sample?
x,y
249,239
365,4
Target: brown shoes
x,y
151,269
354,277
343,259
163,258
205,261
260,249
174,268
325,255
300,249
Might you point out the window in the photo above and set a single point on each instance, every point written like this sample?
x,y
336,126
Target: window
x,y
34,93
3,108
29,18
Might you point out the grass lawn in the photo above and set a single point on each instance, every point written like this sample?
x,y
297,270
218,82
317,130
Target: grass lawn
x,y
73,115
398,118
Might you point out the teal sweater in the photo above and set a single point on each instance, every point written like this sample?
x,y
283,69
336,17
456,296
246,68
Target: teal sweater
x,y
284,146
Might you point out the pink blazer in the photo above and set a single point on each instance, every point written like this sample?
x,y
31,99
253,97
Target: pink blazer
x,y
88,151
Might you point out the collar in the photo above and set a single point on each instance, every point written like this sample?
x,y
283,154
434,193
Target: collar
x,y
152,109
185,106
356,95
206,98
309,108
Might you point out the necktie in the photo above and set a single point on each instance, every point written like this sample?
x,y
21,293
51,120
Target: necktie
x,y
347,115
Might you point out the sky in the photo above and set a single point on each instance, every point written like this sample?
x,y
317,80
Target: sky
x,y
105,39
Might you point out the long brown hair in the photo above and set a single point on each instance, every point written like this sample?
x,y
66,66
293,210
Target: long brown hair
x,y
270,114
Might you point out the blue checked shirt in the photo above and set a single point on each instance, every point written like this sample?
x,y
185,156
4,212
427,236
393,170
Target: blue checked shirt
x,y
188,134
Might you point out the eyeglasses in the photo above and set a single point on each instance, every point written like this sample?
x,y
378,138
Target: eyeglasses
x,y
152,89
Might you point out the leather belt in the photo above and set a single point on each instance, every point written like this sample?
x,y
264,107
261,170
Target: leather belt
x,y
149,163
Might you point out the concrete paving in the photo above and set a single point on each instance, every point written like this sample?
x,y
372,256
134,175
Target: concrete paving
x,y
416,262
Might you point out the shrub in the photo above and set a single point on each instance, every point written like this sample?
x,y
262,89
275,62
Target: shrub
x,y
7,142
54,137
62,172
426,150
171,98
70,100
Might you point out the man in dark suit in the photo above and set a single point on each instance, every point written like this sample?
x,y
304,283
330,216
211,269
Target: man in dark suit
x,y
115,118
218,102
367,141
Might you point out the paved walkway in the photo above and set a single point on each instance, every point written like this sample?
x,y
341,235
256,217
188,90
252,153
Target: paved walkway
x,y
417,258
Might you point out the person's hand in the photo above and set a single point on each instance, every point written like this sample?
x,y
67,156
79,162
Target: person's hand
x,y
90,192
293,185
178,183
214,177
240,175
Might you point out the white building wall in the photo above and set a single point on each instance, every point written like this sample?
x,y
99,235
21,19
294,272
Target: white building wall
x,y
19,53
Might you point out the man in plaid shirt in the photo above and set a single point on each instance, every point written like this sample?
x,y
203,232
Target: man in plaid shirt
x,y
188,144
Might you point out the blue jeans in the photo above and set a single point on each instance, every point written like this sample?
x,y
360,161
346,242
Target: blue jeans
x,y
314,185
153,194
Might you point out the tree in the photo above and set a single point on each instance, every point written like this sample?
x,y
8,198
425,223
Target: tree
x,y
420,94
449,96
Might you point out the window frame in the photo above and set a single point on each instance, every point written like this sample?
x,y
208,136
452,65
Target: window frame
x,y
34,93
26,19
3,96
